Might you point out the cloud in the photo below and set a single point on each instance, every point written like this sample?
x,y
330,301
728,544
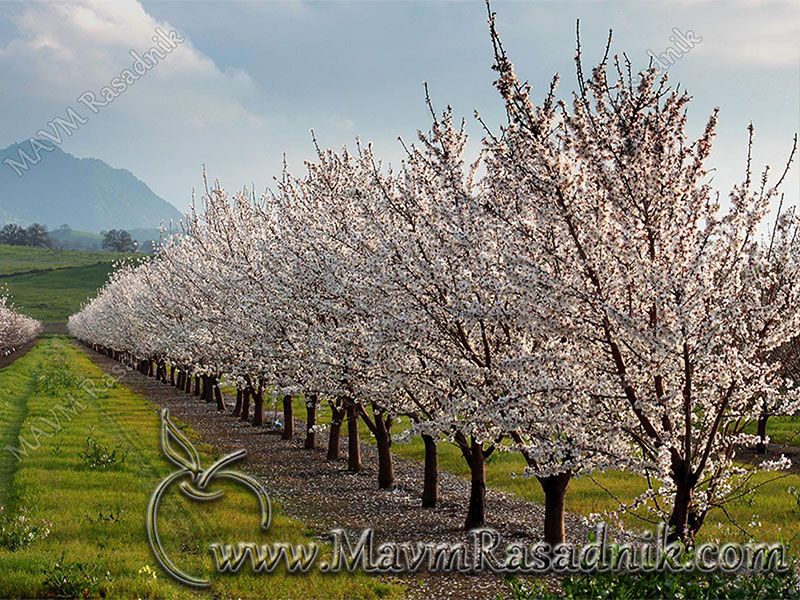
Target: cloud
x,y
63,49
765,35
159,126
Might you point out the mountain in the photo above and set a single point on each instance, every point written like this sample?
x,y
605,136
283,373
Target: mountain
x,y
85,193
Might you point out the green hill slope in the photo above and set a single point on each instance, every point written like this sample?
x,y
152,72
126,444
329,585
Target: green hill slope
x,y
52,296
21,259
50,285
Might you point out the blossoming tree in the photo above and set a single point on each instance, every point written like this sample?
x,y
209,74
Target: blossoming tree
x,y
657,288
16,329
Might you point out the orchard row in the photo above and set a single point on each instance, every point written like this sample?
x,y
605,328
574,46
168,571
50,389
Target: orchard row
x,y
577,292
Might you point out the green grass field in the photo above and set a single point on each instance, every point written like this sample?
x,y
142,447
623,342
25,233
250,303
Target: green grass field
x,y
21,259
96,545
50,285
55,295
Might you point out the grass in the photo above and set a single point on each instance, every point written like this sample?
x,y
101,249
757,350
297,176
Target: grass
x,y
781,430
55,295
773,512
21,259
96,516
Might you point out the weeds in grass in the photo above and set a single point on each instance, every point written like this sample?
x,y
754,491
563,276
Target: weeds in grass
x,y
632,586
795,493
191,547
73,580
148,572
100,457
20,531
54,379
112,516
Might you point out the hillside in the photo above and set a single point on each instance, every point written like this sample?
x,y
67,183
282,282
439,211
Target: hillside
x,y
85,193
75,238
21,259
52,296
50,285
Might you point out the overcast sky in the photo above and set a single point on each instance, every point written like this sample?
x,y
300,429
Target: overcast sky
x,y
251,79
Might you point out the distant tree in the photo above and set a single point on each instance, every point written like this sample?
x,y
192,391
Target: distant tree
x,y
64,228
13,235
148,247
119,240
36,236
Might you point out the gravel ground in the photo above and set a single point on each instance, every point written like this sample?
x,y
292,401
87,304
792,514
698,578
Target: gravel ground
x,y
324,495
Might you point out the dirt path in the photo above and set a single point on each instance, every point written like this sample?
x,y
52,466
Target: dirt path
x,y
325,496
19,353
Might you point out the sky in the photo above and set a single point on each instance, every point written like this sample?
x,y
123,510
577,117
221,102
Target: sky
x,y
249,81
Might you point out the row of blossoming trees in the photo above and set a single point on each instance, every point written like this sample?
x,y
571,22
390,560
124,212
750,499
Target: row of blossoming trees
x,y
16,329
580,294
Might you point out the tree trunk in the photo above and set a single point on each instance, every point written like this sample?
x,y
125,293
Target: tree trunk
x,y
288,419
208,393
383,438
237,409
311,422
335,432
679,518
258,407
197,385
217,393
761,446
353,442
180,384
430,489
476,513
172,375
245,416
385,465
188,382
555,490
